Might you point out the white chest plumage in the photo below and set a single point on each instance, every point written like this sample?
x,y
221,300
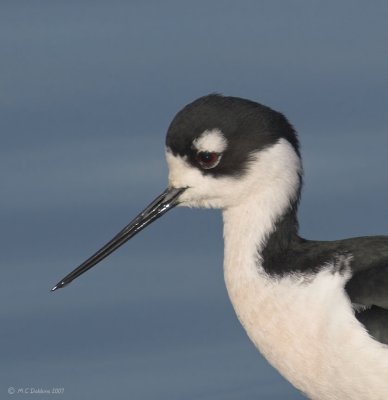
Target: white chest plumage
x,y
303,325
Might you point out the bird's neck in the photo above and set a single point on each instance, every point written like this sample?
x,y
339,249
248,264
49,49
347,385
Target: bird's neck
x,y
265,220
261,228
280,243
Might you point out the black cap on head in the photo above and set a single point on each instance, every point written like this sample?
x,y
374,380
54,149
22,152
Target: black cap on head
x,y
248,127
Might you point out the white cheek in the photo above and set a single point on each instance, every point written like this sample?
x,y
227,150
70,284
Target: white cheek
x,y
181,174
203,190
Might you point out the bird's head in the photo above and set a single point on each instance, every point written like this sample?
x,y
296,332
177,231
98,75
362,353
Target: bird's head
x,y
223,149
220,151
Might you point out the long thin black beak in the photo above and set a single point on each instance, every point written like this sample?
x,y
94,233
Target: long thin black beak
x,y
164,202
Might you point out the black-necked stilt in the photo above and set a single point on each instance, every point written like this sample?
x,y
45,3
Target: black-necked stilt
x,y
318,311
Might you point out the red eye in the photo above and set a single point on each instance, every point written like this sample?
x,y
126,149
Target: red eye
x,y
207,159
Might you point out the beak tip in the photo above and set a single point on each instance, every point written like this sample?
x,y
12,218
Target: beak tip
x,y
58,286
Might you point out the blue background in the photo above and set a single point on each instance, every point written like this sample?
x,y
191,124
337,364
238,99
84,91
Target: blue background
x,y
87,90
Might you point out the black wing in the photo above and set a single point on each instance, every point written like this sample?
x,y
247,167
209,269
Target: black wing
x,y
368,286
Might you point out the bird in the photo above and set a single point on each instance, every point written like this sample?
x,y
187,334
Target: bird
x,y
316,310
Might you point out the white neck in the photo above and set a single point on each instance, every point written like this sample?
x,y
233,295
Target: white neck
x,y
273,185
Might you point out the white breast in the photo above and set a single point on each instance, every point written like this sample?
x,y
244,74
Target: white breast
x,y
304,326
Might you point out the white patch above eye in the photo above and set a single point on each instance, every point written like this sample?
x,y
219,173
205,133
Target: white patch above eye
x,y
211,141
